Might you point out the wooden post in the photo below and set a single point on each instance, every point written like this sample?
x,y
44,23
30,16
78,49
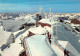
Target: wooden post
x,y
27,52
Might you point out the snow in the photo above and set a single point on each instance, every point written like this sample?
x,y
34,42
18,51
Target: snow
x,y
65,35
58,51
74,24
69,47
44,20
31,20
48,21
65,38
4,35
38,47
79,40
14,25
27,17
50,29
37,30
63,43
68,21
14,49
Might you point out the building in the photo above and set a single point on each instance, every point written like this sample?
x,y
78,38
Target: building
x,y
38,31
75,21
38,45
63,18
46,22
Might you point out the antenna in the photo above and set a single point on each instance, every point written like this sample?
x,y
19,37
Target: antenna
x,y
50,12
56,29
40,10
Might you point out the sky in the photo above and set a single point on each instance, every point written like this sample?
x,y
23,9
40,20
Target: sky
x,y
33,6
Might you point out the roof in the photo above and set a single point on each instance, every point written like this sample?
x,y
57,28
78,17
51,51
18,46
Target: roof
x,y
37,46
12,25
38,30
78,27
75,21
63,18
15,25
47,21
69,47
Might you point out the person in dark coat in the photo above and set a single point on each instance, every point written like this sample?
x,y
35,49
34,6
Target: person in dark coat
x,y
66,53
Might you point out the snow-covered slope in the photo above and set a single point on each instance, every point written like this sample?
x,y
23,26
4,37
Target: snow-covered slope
x,y
69,47
14,25
4,35
38,30
14,49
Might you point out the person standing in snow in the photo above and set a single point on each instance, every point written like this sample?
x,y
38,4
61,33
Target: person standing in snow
x,y
10,40
66,53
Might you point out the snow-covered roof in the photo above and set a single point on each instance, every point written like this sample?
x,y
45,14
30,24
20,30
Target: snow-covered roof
x,y
37,46
69,47
30,16
74,24
38,30
67,21
31,20
44,20
63,18
48,21
14,25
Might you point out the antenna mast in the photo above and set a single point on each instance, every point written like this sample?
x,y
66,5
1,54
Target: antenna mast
x,y
50,13
40,10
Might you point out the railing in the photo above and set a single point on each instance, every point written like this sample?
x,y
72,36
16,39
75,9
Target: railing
x,y
29,52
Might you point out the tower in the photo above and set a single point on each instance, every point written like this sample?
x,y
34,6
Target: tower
x,y
40,10
50,13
